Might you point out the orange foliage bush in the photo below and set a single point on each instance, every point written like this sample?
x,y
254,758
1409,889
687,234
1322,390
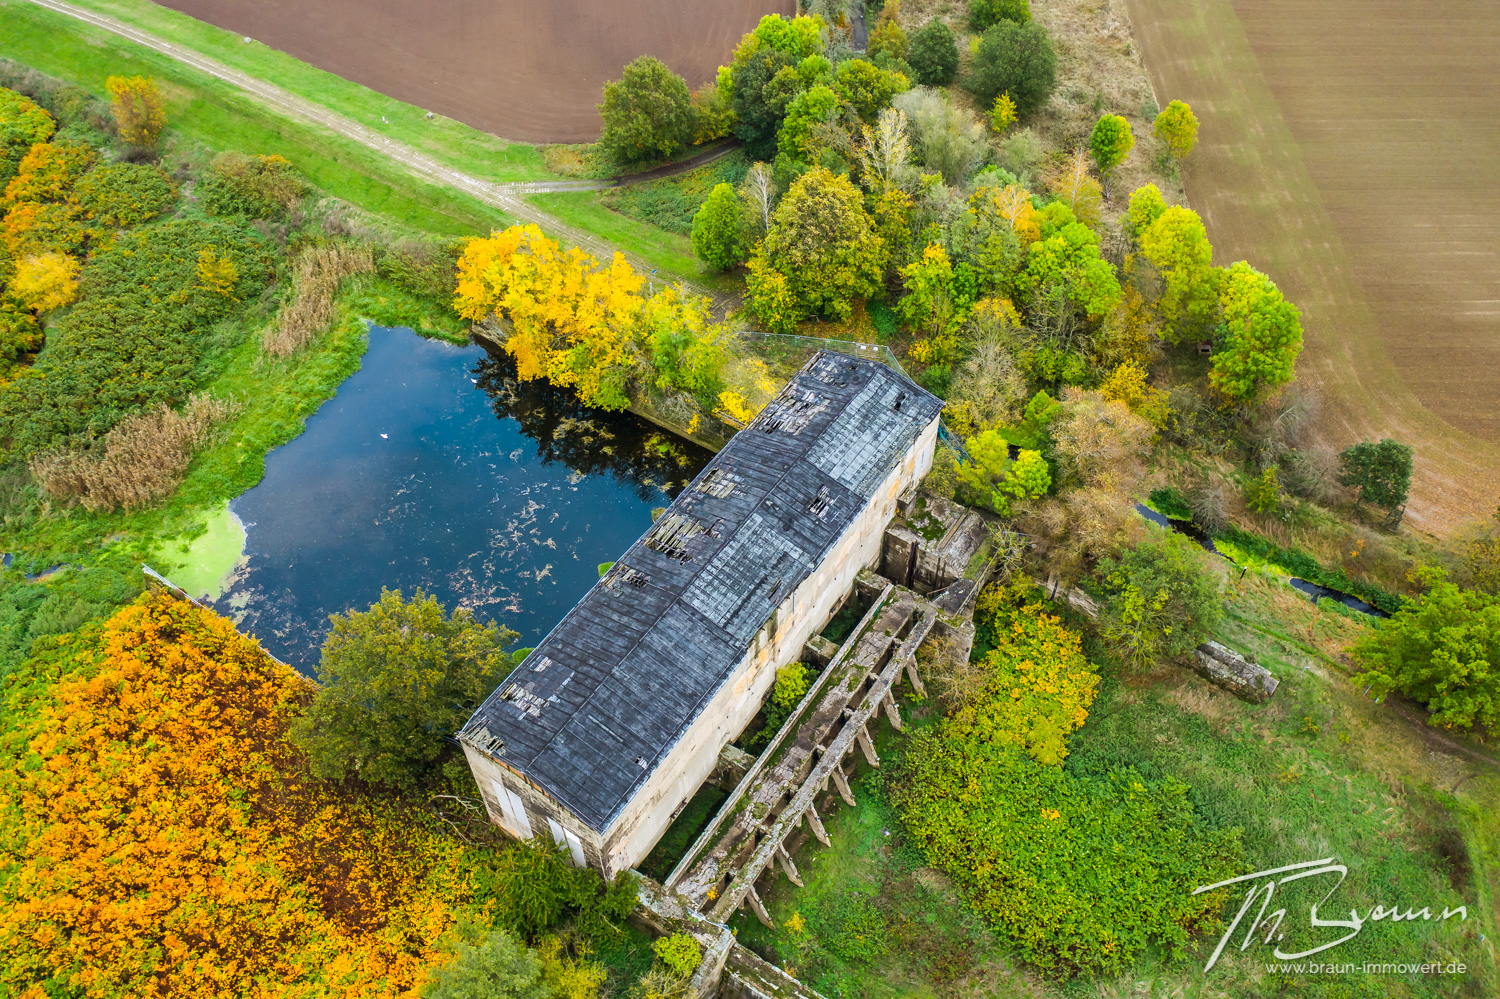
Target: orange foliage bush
x,y
163,837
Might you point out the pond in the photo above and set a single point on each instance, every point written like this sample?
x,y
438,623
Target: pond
x,y
433,467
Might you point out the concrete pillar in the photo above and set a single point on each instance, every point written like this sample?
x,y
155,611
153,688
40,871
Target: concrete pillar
x,y
787,865
843,785
869,747
891,711
759,908
817,826
916,681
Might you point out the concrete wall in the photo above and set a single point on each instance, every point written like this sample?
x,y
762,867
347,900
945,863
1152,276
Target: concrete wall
x,y
692,758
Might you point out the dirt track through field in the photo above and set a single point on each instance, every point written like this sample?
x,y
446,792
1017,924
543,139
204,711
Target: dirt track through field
x,y
1349,149
502,196
531,70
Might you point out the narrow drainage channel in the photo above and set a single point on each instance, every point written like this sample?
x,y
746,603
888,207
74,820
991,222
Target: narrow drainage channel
x,y
1315,590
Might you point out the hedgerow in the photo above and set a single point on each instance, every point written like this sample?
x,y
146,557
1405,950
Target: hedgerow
x,y
1081,874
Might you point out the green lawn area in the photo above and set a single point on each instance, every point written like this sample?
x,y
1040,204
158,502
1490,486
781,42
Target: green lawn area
x,y
456,144
672,253
206,111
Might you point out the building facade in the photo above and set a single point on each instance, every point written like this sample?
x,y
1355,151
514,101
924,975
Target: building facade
x,y
619,715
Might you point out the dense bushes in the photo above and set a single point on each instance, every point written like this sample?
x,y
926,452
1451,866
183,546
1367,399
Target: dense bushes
x,y
1081,874
250,187
138,336
124,194
22,125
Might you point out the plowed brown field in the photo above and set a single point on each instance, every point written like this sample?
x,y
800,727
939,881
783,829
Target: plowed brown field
x,y
1350,149
530,70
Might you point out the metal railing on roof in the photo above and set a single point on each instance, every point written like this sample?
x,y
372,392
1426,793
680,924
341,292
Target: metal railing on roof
x,y
854,348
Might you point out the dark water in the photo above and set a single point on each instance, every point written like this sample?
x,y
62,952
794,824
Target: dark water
x,y
433,467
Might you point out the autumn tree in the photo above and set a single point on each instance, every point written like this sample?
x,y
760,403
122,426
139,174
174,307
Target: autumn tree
x,y
933,55
396,681
686,348
1146,206
821,253
648,113
1098,442
1002,114
1109,144
866,88
888,38
1014,59
718,230
927,302
1065,273
46,282
139,110
1261,335
1379,473
758,192
1176,244
1080,192
805,112
1177,126
885,154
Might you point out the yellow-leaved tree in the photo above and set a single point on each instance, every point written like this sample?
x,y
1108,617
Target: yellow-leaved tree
x,y
45,282
139,111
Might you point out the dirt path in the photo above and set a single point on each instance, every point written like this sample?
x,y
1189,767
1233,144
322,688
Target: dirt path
x,y
1308,166
418,163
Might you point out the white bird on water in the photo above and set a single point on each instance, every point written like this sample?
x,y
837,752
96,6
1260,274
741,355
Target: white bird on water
x,y
385,436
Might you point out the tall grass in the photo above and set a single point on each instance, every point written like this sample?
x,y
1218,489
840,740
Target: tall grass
x,y
144,457
320,271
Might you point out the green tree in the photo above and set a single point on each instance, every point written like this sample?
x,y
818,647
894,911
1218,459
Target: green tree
x,y
759,90
866,87
719,229
1263,495
1164,601
1110,143
1261,335
1442,649
396,680
933,55
806,111
648,113
1146,206
984,13
927,299
821,253
1067,267
1177,126
497,967
992,479
1177,245
1015,59
1379,473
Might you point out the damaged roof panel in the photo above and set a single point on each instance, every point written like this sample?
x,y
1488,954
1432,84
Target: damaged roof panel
x,y
599,703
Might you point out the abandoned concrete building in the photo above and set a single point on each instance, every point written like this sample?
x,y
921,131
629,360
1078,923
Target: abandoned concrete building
x,y
617,718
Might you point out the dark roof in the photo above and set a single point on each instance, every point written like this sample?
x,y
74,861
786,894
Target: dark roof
x,y
593,710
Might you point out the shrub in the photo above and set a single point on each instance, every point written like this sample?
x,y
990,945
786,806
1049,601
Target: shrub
x,y
1263,495
1439,649
680,953
48,172
250,187
144,457
984,13
648,112
950,139
396,679
309,310
124,194
46,282
425,265
934,54
497,967
1014,59
139,110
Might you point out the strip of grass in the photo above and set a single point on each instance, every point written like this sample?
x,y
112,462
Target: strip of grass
x,y
456,144
671,254
203,110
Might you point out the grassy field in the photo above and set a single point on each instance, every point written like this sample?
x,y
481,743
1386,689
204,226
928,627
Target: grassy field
x,y
454,143
202,110
1319,771
1338,154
